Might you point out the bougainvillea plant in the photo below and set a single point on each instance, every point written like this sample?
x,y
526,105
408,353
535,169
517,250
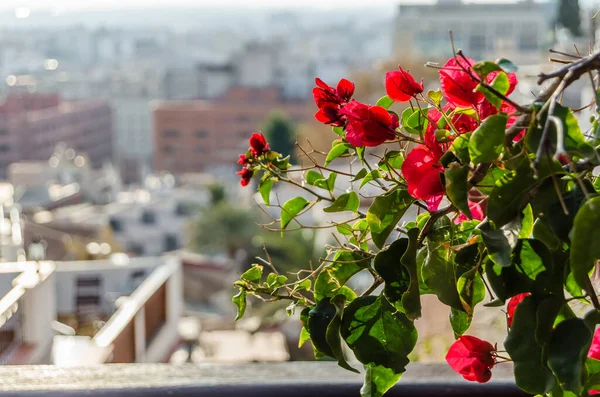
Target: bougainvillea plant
x,y
508,214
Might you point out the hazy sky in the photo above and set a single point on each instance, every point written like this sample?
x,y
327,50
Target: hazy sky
x,y
68,5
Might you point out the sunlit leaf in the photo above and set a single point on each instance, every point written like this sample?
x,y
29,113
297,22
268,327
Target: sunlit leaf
x,y
291,208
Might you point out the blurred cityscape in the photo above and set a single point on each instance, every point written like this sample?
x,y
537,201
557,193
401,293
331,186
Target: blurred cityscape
x,y
122,222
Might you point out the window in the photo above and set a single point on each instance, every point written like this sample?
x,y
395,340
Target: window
x,y
201,133
136,249
148,218
170,133
115,225
200,149
183,209
3,131
169,149
4,148
171,243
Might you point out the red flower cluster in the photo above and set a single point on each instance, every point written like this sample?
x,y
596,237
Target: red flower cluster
x,y
258,147
473,358
331,100
365,125
401,86
368,125
512,306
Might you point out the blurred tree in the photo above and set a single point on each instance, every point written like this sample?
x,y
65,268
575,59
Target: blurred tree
x,y
224,227
568,16
281,134
217,193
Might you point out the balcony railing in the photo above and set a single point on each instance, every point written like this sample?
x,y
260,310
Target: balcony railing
x,y
299,379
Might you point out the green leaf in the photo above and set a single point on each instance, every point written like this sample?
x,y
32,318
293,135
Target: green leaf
x,y
500,243
344,202
397,279
411,299
471,289
574,140
438,275
334,276
546,314
397,266
483,68
531,374
527,223
435,96
339,131
385,102
371,176
585,250
500,84
378,380
460,148
457,187
335,152
304,336
312,176
240,302
511,193
417,122
264,188
567,353
332,334
393,158
385,213
253,275
359,175
507,65
487,140
378,334
319,319
460,321
291,208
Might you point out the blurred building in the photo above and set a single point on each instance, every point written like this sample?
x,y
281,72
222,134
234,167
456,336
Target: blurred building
x,y
122,310
483,30
142,222
200,135
31,125
112,311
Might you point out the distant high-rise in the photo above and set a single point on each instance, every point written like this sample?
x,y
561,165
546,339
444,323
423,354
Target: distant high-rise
x,y
516,31
31,125
200,135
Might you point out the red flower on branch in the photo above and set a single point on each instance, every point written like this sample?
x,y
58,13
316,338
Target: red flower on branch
x,y
422,170
258,144
458,83
243,159
462,122
512,306
368,125
477,212
246,175
330,100
472,357
401,86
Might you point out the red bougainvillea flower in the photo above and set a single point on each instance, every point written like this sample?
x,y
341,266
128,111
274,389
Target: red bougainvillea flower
x,y
258,144
512,306
243,160
594,353
422,170
472,357
457,86
330,100
246,175
462,122
401,86
477,211
323,93
368,125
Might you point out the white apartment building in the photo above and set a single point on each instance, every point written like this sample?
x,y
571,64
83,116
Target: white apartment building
x,y
517,31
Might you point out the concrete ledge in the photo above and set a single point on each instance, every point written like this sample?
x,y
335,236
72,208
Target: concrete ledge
x,y
297,379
